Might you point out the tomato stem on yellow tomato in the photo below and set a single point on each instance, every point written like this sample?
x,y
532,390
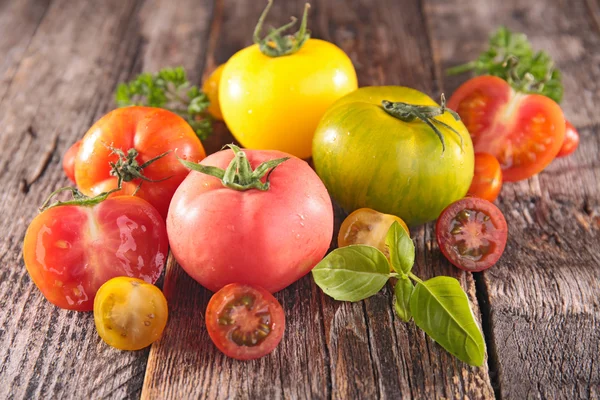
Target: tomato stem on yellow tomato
x,y
276,45
239,174
426,114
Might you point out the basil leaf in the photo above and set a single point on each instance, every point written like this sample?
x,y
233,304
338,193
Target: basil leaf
x,y
401,247
403,291
352,273
440,307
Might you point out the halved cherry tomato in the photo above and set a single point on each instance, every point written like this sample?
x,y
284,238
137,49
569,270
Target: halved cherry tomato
x,y
571,141
472,234
523,131
244,322
71,250
129,313
68,162
211,88
487,180
367,226
148,131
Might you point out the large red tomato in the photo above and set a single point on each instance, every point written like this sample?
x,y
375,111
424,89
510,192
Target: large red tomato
x,y
148,132
268,238
71,250
523,131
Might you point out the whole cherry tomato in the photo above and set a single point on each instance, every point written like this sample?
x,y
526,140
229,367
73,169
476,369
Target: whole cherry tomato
x,y
244,322
234,227
68,162
571,141
71,250
129,313
523,131
472,234
211,88
273,93
366,226
487,179
131,138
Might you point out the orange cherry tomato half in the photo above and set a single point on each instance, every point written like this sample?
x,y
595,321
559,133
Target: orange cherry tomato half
x,y
72,250
487,180
244,322
68,162
472,234
367,226
523,131
148,131
571,141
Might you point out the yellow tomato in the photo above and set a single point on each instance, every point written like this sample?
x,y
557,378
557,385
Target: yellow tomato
x,y
130,314
366,226
211,88
276,101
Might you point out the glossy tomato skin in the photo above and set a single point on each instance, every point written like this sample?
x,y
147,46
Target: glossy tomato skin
x,y
68,162
472,234
570,142
233,318
367,158
211,88
487,180
150,131
523,131
261,238
277,102
70,251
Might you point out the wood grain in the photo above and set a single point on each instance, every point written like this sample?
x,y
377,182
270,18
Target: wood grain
x,y
330,349
542,299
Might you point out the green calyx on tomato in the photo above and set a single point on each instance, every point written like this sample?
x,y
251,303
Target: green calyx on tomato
x,y
410,112
239,174
127,167
276,45
439,305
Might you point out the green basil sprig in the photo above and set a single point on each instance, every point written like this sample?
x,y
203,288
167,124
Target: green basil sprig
x,y
439,305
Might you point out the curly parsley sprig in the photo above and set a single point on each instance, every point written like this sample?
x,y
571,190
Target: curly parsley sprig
x,y
169,89
511,57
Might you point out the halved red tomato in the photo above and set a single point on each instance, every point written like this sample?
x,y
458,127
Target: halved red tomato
x,y
472,234
571,141
487,179
523,131
244,322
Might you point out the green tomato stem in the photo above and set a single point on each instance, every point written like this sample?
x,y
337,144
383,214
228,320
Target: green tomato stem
x,y
79,199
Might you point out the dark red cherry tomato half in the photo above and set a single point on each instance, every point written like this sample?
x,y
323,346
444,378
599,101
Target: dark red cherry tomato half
x,y
472,234
244,322
571,141
68,162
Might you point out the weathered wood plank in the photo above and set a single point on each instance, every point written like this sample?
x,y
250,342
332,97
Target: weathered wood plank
x,y
544,295
330,349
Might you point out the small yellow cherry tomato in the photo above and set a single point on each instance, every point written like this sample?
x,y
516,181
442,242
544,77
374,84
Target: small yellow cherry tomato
x,y
211,88
366,226
130,314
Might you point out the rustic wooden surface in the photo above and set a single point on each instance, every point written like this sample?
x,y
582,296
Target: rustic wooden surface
x,y
61,61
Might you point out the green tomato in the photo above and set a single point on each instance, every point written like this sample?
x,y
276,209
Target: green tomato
x,y
369,158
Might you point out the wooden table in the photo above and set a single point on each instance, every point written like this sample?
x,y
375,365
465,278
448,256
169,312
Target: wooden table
x,y
540,306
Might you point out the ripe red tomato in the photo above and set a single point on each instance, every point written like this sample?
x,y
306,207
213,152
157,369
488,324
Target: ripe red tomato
x,y
71,250
523,131
487,180
245,322
148,131
68,162
472,234
571,141
267,238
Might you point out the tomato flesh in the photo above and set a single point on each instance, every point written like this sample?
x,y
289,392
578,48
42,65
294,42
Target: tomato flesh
x,y
245,322
571,141
129,313
523,131
487,179
70,251
68,162
472,234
